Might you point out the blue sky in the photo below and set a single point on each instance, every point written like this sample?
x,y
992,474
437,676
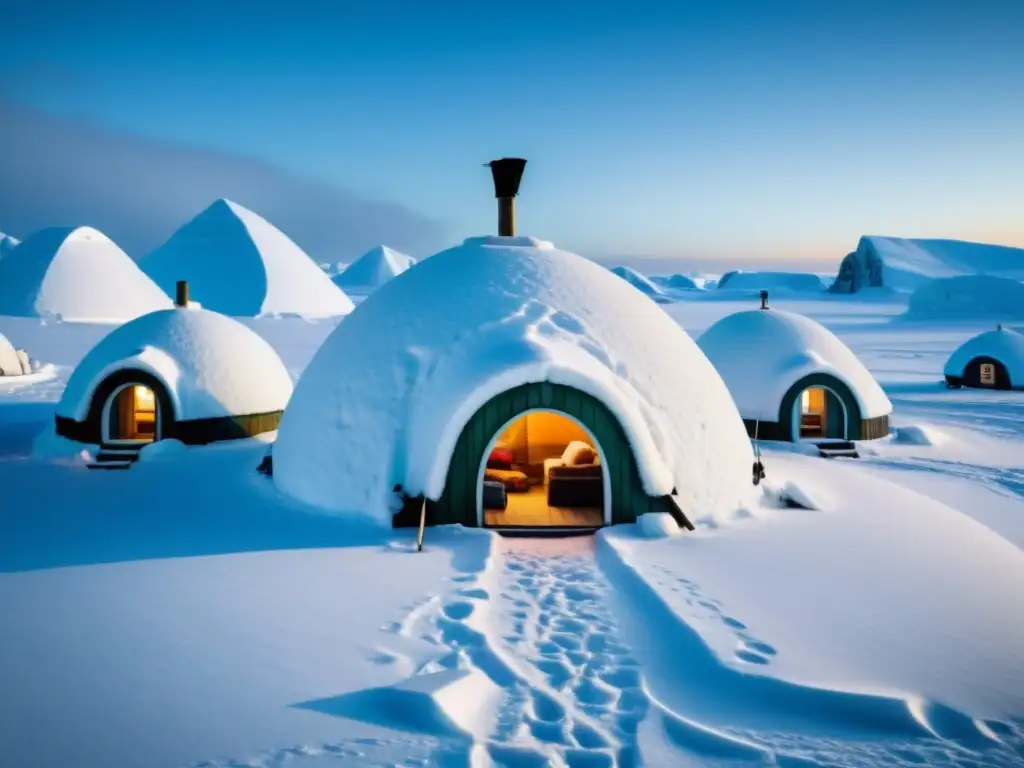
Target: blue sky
x,y
769,130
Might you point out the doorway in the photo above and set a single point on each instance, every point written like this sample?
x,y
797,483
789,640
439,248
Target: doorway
x,y
543,469
820,414
132,415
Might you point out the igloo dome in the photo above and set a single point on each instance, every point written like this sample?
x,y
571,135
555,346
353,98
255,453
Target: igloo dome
x,y
422,384
184,373
991,360
792,378
13,362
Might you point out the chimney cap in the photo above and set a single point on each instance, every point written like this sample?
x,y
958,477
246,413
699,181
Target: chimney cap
x,y
507,173
764,300
181,293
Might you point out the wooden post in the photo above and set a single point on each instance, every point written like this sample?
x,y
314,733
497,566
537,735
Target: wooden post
x,y
423,523
506,216
181,294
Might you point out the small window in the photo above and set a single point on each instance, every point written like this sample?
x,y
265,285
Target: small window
x,y
988,374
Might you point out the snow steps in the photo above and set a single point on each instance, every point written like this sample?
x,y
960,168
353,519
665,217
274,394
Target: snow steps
x,y
838,448
115,457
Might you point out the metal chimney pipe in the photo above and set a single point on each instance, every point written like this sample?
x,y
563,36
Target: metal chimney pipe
x,y
764,299
181,294
507,173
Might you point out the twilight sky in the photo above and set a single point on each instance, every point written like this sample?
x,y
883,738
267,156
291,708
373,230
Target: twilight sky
x,y
775,131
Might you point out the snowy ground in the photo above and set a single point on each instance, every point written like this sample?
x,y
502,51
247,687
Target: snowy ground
x,y
184,614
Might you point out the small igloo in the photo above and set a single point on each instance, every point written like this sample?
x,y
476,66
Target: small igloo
x,y
184,373
793,379
13,362
991,360
506,383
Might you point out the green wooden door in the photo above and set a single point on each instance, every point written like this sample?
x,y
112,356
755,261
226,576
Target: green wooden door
x,y
458,500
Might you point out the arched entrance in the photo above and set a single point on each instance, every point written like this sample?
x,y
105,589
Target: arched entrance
x,y
625,496
818,414
543,469
131,414
820,407
986,373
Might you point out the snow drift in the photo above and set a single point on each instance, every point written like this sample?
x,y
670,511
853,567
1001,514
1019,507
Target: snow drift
x,y
210,365
770,281
640,282
387,395
237,263
1002,344
904,264
968,297
762,353
374,268
75,274
677,282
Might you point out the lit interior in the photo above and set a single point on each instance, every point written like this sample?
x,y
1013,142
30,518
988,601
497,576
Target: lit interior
x,y
813,412
527,472
133,415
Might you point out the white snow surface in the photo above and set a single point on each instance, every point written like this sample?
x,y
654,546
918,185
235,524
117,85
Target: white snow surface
x,y
968,297
75,274
374,268
1003,344
384,400
904,264
769,281
762,353
210,364
238,263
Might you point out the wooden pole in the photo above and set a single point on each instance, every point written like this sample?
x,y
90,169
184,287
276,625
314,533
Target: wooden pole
x,y
506,216
423,523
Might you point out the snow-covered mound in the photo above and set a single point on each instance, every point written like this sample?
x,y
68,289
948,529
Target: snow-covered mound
x,y
7,244
1001,344
210,365
387,395
762,353
76,274
904,264
639,282
374,268
13,362
968,297
238,263
676,282
770,281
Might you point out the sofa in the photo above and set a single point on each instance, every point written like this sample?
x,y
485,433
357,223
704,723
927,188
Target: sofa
x,y
576,479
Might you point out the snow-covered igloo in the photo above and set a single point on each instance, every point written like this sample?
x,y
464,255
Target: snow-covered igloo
x,y
991,360
13,362
793,379
184,373
416,389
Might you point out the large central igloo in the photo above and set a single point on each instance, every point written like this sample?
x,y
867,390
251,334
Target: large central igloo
x,y
387,399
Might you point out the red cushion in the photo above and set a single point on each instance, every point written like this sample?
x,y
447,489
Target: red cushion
x,y
500,459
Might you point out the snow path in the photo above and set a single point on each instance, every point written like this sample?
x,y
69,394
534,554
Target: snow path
x,y
593,669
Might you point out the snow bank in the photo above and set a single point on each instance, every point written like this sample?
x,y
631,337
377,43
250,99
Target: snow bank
x,y
374,268
237,263
638,281
925,612
658,525
968,297
677,282
905,264
387,395
1002,344
914,434
769,281
210,364
762,353
75,274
